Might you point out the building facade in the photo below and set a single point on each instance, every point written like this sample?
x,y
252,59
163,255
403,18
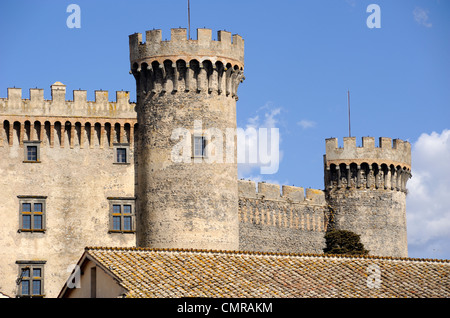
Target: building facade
x,y
79,173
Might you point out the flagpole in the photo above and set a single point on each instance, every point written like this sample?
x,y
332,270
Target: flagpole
x,y
349,127
189,20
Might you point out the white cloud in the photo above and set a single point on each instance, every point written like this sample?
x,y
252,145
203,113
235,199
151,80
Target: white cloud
x,y
305,124
428,200
421,17
266,162
269,117
259,178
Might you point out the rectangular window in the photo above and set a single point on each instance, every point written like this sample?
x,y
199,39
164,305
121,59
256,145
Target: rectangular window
x,y
32,213
127,223
37,222
121,153
26,285
32,151
31,279
116,208
26,222
122,215
37,287
199,146
38,207
116,223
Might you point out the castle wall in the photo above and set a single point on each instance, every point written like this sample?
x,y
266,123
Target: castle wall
x,y
185,204
378,216
197,204
289,222
75,175
191,203
79,106
366,191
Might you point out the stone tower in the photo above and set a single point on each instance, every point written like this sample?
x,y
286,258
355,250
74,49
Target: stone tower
x,y
366,191
187,192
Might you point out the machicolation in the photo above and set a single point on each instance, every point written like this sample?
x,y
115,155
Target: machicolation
x,y
182,64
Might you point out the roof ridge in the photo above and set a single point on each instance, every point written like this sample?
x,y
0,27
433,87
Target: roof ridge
x,y
154,249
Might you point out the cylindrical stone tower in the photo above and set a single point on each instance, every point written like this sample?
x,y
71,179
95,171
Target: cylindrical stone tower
x,y
187,195
366,191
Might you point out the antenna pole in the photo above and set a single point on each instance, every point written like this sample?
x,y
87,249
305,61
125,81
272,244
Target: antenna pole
x,y
189,20
349,127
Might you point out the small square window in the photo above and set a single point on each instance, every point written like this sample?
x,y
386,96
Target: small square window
x,y
121,153
26,207
36,272
26,272
116,208
38,207
32,151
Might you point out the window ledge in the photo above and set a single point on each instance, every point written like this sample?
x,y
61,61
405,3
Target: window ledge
x,y
29,231
121,163
121,232
31,161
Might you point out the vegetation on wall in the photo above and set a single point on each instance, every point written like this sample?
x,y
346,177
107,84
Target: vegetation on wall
x,y
343,242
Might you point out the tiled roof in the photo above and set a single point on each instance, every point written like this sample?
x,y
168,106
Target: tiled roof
x,y
199,273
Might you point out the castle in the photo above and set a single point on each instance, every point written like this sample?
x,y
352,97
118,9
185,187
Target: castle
x,y
79,173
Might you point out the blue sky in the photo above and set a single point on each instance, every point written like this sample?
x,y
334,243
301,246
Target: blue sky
x,y
301,57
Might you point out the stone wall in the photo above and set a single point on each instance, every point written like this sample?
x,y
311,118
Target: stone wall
x,y
378,216
76,175
366,191
290,221
59,105
193,202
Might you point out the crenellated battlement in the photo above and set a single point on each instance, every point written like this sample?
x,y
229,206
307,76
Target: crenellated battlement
x,y
396,151
15,104
291,194
228,48
186,65
271,220
56,122
387,166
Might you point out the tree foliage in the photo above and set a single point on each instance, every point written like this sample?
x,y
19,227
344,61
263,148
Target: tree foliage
x,y
343,242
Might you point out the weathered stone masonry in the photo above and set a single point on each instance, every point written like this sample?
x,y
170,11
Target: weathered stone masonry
x,y
76,175
286,222
366,191
178,82
185,205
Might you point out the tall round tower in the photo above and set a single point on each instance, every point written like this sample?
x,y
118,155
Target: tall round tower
x,y
187,195
366,191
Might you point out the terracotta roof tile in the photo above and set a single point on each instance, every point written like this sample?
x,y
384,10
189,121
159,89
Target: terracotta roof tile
x,y
198,273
